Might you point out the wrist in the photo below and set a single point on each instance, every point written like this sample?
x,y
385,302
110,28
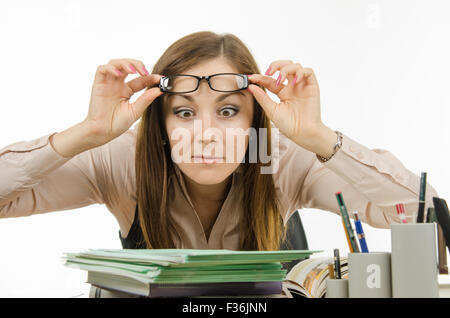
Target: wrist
x,y
73,140
323,144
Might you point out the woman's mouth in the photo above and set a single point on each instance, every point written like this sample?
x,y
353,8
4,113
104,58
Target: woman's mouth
x,y
207,159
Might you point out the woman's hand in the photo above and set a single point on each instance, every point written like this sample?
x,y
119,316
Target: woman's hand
x,y
297,115
110,111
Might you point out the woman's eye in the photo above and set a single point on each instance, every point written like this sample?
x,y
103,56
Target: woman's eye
x,y
228,112
224,112
184,113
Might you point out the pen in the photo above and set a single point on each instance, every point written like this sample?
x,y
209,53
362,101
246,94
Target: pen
x,y
401,212
423,185
431,216
337,264
354,248
360,233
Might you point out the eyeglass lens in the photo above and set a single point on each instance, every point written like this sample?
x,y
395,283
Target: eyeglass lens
x,y
225,82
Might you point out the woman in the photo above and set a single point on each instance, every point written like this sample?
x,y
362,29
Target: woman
x,y
227,202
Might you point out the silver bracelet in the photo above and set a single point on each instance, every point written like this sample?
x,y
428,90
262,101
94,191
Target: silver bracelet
x,y
336,147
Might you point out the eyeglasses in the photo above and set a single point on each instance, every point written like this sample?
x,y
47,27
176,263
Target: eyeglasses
x,y
222,82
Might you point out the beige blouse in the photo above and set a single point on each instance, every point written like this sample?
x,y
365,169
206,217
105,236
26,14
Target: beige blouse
x,y
34,179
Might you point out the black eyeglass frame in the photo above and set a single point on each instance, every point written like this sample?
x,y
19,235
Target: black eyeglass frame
x,y
163,88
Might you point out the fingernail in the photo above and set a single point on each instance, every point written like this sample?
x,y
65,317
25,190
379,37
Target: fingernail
x,y
145,70
279,79
295,80
119,72
268,70
248,75
132,68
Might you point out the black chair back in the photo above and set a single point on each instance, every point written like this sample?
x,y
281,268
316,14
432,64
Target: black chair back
x,y
295,238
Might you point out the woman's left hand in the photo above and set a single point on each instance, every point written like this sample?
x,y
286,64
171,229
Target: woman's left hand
x,y
297,115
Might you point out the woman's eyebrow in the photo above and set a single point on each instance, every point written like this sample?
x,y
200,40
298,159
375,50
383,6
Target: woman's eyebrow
x,y
218,99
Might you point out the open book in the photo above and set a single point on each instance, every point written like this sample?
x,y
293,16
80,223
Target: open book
x,y
308,278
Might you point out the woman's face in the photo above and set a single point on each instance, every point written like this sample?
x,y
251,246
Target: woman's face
x,y
210,126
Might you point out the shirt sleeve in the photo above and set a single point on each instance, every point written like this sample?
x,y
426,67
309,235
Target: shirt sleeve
x,y
372,182
34,178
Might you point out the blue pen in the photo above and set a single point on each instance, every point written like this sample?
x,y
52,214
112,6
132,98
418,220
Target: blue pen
x,y
360,233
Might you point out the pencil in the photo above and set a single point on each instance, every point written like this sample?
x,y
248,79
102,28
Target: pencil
x,y
331,271
347,225
423,185
348,237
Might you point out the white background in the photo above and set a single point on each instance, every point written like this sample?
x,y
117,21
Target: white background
x,y
382,66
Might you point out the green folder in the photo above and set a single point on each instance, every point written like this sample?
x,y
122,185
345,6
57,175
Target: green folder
x,y
194,257
186,265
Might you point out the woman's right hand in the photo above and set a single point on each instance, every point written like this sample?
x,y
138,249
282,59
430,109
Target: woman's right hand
x,y
110,111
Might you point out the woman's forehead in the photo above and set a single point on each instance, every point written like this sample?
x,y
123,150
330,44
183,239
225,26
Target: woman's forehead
x,y
214,66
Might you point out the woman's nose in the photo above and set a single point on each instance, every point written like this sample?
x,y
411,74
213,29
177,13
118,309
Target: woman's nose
x,y
206,129
207,121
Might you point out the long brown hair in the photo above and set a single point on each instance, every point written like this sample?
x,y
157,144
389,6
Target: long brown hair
x,y
262,227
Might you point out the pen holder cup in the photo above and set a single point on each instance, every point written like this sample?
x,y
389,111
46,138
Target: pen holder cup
x,y
414,262
369,275
337,288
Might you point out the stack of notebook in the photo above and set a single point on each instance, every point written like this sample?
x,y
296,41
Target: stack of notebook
x,y
185,272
